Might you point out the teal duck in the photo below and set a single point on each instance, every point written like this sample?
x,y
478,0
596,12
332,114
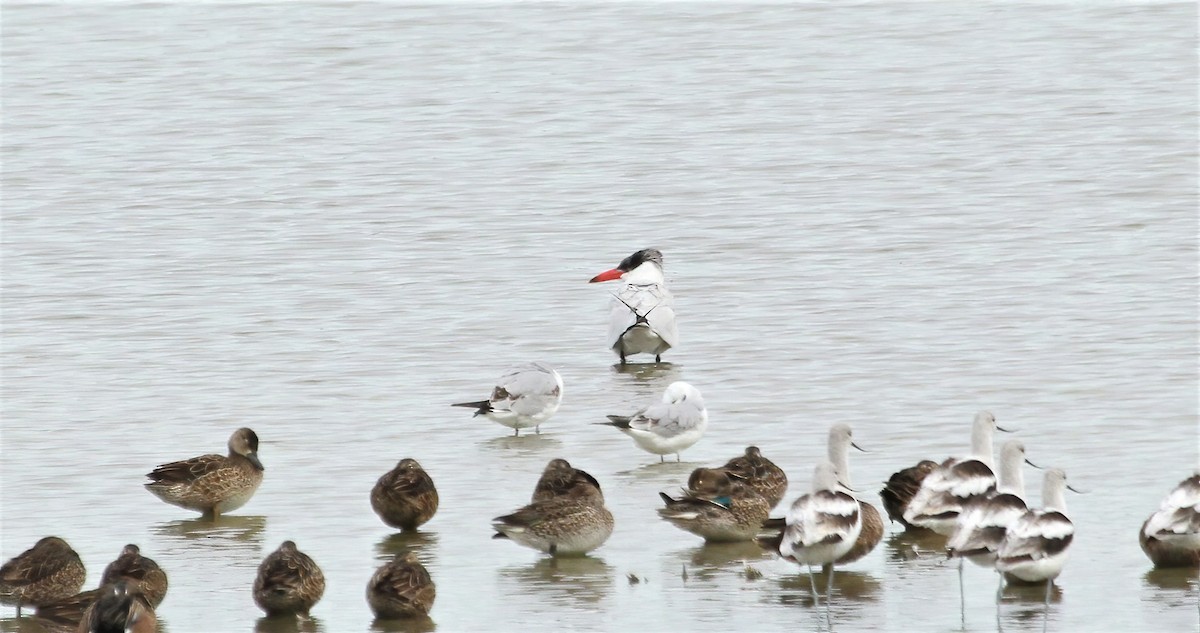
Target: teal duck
x,y
401,588
48,571
212,484
288,582
561,479
405,497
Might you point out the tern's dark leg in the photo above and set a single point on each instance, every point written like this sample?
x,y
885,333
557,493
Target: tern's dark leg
x,y
658,358
662,458
516,432
829,599
1046,606
676,458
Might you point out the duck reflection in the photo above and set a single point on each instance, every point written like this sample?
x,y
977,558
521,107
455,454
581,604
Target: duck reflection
x,y
566,581
920,548
530,445
705,560
424,544
224,532
1171,578
411,625
288,625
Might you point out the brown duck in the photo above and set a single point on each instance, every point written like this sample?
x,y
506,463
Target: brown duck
x,y
401,588
405,497
288,582
561,479
212,484
48,571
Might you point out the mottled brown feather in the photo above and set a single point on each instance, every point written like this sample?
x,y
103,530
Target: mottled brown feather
x,y
759,472
868,537
288,582
1163,554
560,478
119,607
405,497
402,588
48,571
900,489
212,484
140,572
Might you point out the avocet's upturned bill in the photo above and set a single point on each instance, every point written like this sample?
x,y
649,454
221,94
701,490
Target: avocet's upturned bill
x,y
669,426
525,396
642,320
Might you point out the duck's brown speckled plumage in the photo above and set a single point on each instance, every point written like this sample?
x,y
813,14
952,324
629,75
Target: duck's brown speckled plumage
x,y
567,525
402,588
901,487
48,571
119,608
138,571
405,497
559,478
868,537
212,484
288,582
727,512
759,473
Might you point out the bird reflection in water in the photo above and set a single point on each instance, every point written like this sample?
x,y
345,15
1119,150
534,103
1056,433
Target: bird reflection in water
x,y
408,625
712,559
564,580
646,380
243,532
916,547
423,543
852,586
528,445
289,624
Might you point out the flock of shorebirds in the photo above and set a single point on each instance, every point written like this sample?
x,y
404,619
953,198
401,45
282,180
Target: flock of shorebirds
x,y
980,510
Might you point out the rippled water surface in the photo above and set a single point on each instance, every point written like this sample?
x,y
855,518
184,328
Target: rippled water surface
x,y
329,221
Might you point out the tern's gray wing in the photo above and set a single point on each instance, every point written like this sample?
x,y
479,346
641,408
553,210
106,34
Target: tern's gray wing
x,y
668,420
527,389
652,302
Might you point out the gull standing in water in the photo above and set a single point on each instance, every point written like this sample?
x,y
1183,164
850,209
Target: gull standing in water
x,y
1035,546
946,490
643,314
1171,536
822,527
669,426
524,396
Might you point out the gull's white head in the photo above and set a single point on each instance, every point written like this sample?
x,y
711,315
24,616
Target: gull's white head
x,y
680,391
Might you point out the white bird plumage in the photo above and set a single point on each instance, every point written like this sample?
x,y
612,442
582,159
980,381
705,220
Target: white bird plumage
x,y
524,396
642,318
944,492
668,426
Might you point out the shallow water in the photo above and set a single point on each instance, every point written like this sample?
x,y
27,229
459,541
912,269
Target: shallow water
x,y
329,221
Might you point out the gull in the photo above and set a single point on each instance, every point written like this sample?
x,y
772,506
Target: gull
x,y
524,396
669,426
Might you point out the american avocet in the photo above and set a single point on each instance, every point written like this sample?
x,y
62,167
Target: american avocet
x,y
1035,545
982,525
944,492
840,441
524,396
821,527
669,426
642,320
1171,536
758,472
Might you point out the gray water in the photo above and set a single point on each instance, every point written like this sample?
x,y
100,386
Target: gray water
x,y
329,221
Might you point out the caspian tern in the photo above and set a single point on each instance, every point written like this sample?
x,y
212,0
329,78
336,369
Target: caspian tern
x,y
643,313
525,396
669,426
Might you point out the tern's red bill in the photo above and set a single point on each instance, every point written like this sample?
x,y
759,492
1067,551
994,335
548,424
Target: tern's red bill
x,y
608,275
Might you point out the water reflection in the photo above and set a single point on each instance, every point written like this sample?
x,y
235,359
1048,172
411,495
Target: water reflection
x,y
1172,579
530,445
645,382
27,624
564,581
423,543
235,531
410,625
919,549
288,624
672,472
711,557
854,586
